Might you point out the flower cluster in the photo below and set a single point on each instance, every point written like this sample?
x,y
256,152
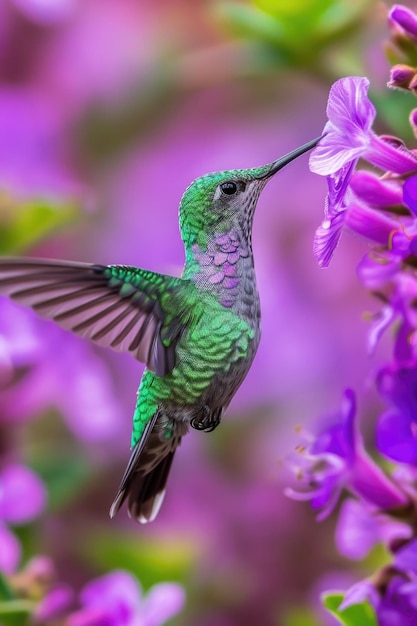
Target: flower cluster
x,y
115,599
372,190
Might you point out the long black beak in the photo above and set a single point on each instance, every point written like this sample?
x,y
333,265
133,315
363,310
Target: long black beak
x,y
283,161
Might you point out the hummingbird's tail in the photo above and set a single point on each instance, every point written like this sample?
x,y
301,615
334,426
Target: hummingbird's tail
x,y
143,483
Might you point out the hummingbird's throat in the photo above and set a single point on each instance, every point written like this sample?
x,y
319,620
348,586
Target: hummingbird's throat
x,y
220,266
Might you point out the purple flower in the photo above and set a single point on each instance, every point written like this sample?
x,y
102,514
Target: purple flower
x,y
402,77
336,460
393,591
397,426
22,498
55,602
348,136
410,193
116,600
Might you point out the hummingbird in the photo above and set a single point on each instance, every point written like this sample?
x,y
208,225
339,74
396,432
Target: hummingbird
x,y
197,334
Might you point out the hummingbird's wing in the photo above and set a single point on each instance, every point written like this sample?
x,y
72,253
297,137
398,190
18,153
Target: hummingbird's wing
x,y
115,306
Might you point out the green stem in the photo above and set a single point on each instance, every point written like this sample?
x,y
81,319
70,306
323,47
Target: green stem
x,y
6,592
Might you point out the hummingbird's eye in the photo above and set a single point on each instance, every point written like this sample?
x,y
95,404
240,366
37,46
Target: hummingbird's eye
x,y
230,187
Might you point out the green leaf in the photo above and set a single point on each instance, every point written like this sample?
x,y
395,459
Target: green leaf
x,y
361,614
22,224
15,612
394,107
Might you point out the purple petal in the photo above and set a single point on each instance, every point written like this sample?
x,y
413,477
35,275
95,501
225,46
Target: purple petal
x,y
333,153
410,193
326,495
9,551
406,557
374,191
22,494
327,237
356,531
396,436
369,482
364,591
53,604
162,602
375,271
359,528
339,435
371,224
401,76
348,135
349,108
339,193
381,321
389,156
403,17
112,589
351,115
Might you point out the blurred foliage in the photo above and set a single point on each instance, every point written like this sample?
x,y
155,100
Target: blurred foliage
x,y
13,611
152,559
295,34
394,108
58,458
299,617
24,223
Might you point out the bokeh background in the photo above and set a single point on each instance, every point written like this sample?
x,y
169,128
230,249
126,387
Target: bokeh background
x,y
108,109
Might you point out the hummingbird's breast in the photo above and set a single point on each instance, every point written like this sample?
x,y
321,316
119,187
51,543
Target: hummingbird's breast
x,y
225,269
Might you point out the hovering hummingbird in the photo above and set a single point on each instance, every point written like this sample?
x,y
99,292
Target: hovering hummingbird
x,y
197,334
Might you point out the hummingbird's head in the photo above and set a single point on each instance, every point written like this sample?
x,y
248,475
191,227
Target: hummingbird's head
x,y
220,201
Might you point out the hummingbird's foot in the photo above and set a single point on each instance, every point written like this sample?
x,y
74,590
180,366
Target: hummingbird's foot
x,y
207,420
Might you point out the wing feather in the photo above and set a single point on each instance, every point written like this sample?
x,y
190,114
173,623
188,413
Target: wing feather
x,y
114,306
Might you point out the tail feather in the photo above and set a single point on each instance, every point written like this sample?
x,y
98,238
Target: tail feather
x,y
143,482
146,493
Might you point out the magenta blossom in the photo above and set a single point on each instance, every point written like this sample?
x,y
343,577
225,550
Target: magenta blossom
x,y
397,426
336,460
348,136
116,600
393,592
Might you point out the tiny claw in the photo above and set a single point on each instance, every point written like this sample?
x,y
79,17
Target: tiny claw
x,y
208,420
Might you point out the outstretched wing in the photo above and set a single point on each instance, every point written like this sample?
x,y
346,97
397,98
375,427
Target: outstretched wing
x,y
115,306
